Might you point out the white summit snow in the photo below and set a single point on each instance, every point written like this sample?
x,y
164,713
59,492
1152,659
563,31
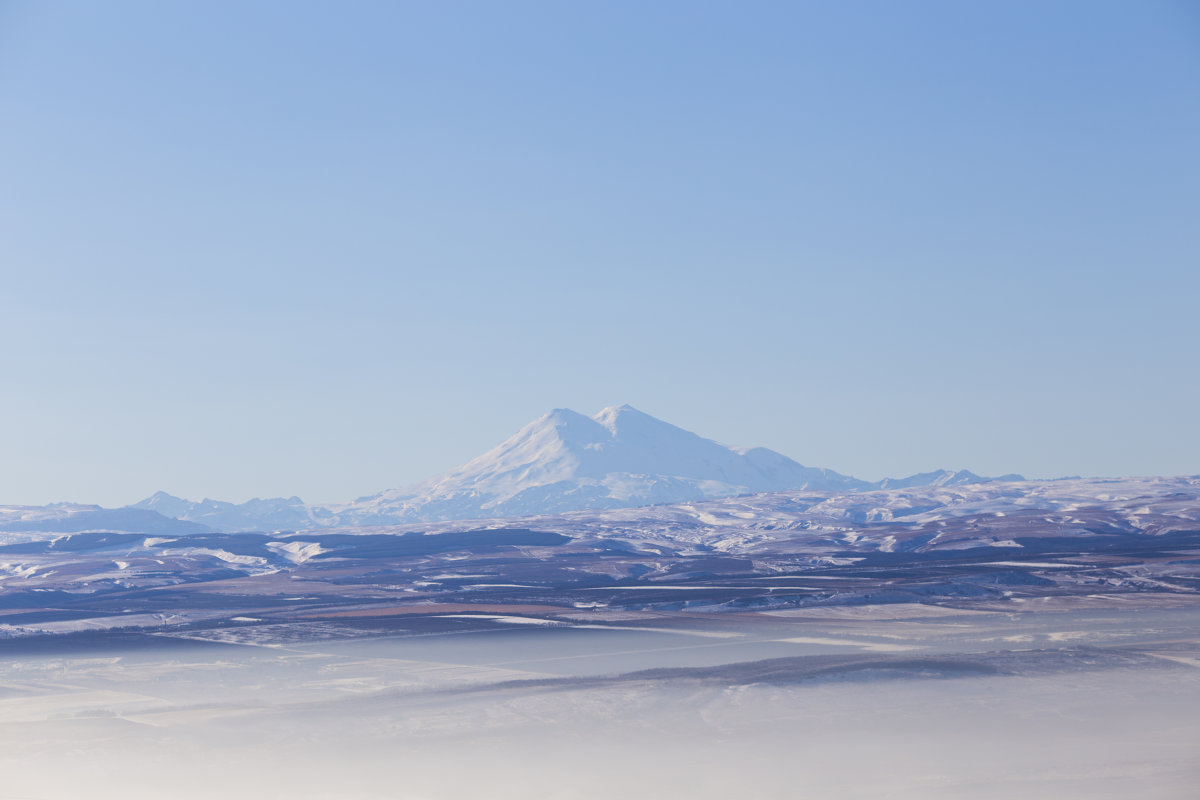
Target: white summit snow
x,y
566,461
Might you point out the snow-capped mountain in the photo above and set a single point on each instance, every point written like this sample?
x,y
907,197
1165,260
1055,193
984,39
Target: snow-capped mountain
x,y
941,477
562,461
621,457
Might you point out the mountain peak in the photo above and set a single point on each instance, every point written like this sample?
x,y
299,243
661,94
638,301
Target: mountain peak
x,y
166,504
619,457
560,418
561,414
561,461
625,419
612,411
552,430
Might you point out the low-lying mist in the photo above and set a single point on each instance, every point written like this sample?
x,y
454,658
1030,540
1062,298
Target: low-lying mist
x,y
1093,706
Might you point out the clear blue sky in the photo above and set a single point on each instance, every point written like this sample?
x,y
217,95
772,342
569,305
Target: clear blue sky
x,y
264,248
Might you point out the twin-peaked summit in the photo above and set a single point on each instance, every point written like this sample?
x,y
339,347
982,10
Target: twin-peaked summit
x,y
566,461
562,461
564,445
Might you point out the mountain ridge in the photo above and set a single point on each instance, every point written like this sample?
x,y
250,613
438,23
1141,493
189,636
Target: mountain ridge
x,y
562,461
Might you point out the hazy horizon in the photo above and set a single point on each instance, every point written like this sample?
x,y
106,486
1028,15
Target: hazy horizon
x,y
320,500
291,249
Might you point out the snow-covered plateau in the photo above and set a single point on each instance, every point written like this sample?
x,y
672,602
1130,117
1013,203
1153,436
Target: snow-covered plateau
x,y
1000,541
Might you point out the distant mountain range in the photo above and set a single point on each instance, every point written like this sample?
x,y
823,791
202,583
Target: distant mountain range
x,y
77,517
562,461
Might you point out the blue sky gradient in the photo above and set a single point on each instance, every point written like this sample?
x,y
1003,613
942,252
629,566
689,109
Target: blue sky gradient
x,y
326,249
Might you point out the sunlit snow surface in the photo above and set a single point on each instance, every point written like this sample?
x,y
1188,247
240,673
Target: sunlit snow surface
x,y
992,542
